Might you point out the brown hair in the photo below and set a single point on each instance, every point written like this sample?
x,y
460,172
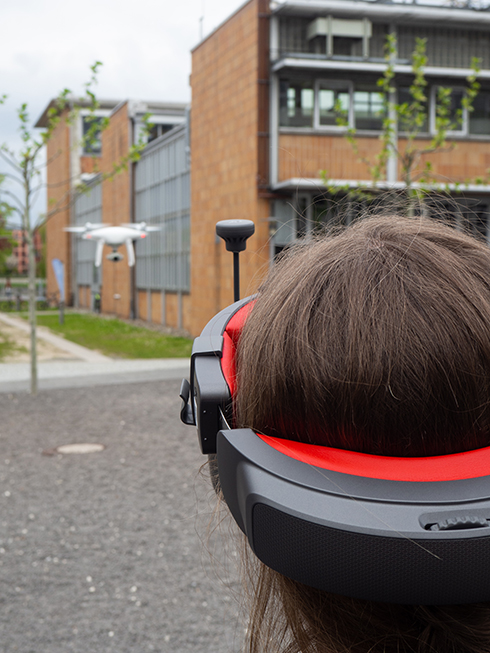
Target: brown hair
x,y
374,339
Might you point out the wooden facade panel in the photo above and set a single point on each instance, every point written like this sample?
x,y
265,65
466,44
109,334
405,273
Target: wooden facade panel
x,y
171,309
459,162
305,155
84,297
142,304
156,307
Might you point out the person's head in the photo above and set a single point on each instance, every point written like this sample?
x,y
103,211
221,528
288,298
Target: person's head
x,y
376,339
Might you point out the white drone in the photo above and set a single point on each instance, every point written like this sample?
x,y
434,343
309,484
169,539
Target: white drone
x,y
105,234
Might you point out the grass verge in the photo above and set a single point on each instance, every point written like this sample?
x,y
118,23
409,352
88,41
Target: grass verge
x,y
114,337
8,346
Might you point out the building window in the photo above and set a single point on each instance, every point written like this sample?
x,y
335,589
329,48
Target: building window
x,y
158,130
334,104
93,145
369,108
457,115
479,119
404,97
297,102
465,122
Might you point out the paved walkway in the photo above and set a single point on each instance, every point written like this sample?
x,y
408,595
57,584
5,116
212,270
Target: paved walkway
x,y
111,552
116,551
86,368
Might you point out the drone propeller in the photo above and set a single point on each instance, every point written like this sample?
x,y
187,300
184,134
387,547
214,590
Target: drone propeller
x,y
88,226
76,230
134,225
141,226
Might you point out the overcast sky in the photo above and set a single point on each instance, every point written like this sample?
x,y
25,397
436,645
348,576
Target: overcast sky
x,y
144,46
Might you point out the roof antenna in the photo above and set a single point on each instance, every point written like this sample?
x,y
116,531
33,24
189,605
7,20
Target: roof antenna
x,y
235,234
201,23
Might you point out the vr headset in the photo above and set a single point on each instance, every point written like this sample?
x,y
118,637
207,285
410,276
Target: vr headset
x,y
396,530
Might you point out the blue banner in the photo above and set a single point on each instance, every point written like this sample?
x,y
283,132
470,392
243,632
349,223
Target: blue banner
x,y
59,273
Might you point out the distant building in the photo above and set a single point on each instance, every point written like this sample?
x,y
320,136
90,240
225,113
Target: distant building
x,y
111,202
265,85
21,252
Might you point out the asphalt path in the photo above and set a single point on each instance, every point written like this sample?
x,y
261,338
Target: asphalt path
x,y
104,552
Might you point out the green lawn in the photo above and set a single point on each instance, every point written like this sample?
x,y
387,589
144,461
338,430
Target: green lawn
x,y
8,346
117,338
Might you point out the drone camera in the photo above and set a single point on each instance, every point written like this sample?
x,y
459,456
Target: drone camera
x,y
115,256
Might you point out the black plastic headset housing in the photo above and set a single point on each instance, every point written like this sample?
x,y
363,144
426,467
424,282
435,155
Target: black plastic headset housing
x,y
361,537
383,540
207,400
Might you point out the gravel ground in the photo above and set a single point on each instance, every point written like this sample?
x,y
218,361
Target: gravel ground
x,y
102,552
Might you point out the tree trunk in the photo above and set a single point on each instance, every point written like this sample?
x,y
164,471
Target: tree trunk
x,y
31,287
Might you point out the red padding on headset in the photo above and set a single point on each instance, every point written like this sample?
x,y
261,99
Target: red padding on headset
x,y
228,362
453,467
468,464
230,340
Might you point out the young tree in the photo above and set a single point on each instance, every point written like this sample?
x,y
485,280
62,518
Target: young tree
x,y
24,170
411,117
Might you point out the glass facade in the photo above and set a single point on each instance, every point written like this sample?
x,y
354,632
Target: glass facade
x,y
162,197
323,104
88,208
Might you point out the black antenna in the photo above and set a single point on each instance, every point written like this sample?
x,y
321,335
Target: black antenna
x,y
235,234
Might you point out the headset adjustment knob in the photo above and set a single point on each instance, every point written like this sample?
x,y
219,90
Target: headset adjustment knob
x,y
460,523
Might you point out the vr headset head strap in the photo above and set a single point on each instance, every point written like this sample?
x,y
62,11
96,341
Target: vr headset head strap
x,y
399,530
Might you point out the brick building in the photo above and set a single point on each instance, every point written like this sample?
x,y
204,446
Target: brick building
x,y
265,85
155,190
264,89
21,251
111,201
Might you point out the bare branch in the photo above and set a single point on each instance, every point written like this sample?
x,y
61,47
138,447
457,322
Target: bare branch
x,y
34,193
18,211
64,182
51,159
8,175
36,189
5,154
61,205
431,150
14,197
